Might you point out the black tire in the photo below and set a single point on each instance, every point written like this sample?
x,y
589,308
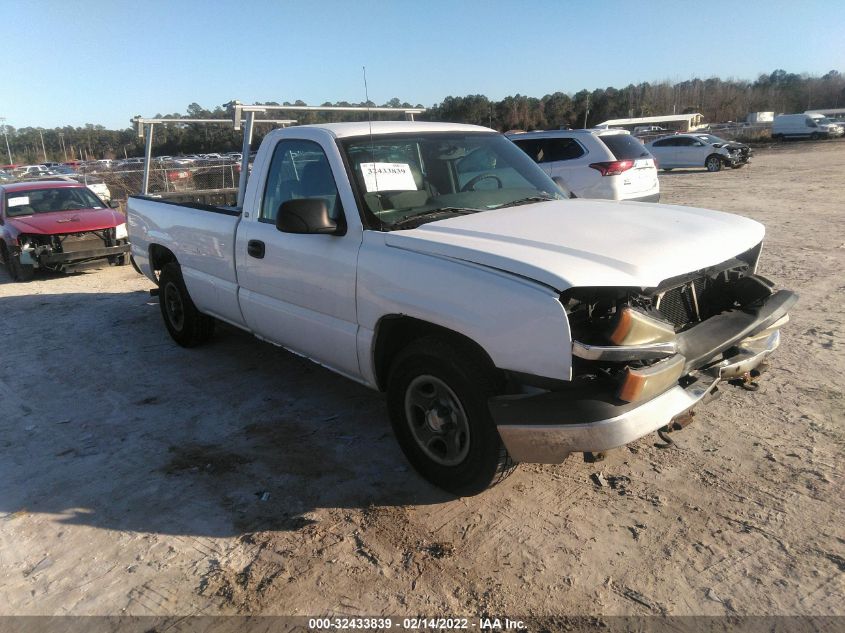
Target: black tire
x,y
713,163
120,260
18,271
187,326
737,165
667,168
814,136
777,138
482,460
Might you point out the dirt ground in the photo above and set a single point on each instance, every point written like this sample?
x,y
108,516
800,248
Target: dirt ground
x,y
137,477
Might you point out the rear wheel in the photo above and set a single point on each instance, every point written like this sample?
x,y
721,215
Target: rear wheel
x,y
713,163
437,398
187,326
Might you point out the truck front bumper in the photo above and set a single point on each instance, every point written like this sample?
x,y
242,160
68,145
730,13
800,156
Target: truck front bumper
x,y
546,428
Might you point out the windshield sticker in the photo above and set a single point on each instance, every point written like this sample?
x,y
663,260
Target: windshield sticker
x,y
388,177
20,201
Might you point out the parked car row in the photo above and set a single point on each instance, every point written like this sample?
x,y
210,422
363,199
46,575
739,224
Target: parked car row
x,y
56,171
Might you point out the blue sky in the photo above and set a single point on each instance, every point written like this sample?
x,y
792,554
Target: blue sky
x,y
72,62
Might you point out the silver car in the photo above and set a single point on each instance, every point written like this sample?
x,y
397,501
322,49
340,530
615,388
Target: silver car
x,y
696,150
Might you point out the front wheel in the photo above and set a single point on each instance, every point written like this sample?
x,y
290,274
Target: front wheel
x,y
17,270
437,398
815,136
713,163
187,326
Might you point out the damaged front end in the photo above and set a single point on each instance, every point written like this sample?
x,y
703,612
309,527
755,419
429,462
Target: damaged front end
x,y
61,251
643,357
643,340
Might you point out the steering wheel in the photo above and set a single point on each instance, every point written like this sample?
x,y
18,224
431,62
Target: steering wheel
x,y
470,186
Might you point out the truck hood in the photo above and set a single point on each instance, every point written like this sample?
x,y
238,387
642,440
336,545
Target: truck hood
x,y
76,221
569,243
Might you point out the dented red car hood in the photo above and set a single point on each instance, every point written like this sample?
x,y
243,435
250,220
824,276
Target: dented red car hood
x,y
76,221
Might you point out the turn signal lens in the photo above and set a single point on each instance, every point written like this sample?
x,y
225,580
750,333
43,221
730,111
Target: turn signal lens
x,y
636,328
645,383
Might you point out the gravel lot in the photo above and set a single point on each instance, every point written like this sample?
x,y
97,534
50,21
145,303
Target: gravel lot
x,y
137,477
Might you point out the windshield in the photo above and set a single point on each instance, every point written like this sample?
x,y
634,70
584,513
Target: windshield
x,y
822,120
711,138
47,200
406,180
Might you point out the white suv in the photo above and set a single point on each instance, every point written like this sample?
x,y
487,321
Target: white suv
x,y
607,164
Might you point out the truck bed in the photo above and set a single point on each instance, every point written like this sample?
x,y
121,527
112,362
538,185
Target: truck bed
x,y
201,237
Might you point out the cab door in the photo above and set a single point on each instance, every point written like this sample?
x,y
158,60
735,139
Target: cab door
x,y
298,290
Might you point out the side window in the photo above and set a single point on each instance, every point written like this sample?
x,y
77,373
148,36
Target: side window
x,y
532,147
810,123
299,169
664,143
684,141
556,149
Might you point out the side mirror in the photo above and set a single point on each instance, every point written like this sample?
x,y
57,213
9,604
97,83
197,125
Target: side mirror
x,y
114,204
305,216
562,186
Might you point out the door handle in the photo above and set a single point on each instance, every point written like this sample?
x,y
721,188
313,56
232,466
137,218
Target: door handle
x,y
255,248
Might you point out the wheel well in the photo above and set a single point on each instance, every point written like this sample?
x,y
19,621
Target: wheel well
x,y
395,332
159,256
719,156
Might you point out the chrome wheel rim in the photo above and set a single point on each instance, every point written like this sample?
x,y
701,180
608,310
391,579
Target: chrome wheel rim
x,y
713,164
174,307
437,420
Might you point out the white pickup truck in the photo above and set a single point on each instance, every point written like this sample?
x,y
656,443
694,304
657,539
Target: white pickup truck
x,y
438,263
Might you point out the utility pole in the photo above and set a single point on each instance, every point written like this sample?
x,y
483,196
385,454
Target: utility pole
x,y
43,149
8,150
586,112
62,139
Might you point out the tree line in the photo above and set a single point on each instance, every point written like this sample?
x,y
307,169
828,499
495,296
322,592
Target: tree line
x,y
719,100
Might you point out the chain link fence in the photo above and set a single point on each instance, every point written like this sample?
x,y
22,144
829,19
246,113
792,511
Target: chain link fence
x,y
167,178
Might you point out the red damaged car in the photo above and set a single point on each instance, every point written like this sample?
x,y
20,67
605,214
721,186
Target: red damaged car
x,y
56,225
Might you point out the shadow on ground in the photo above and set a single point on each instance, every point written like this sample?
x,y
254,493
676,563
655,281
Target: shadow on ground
x,y
106,422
